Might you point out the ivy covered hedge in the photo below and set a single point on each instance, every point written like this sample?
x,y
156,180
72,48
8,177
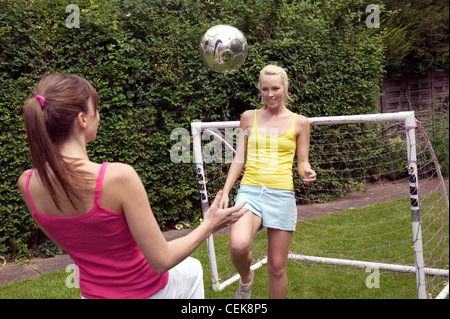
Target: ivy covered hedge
x,y
142,57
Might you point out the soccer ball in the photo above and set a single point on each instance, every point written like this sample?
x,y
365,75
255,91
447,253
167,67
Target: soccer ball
x,y
223,48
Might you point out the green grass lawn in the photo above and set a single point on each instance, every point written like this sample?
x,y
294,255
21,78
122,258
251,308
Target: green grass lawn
x,y
344,234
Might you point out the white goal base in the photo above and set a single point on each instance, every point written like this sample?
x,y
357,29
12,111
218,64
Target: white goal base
x,y
346,262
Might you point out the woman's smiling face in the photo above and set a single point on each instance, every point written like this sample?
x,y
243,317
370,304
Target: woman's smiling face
x,y
272,91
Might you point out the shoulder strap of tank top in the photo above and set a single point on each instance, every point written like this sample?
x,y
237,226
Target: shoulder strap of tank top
x,y
255,122
294,126
99,184
27,192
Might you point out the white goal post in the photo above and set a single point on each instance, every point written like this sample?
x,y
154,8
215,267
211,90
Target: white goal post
x,y
408,120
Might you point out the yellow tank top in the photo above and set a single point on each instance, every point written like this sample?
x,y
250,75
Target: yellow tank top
x,y
270,157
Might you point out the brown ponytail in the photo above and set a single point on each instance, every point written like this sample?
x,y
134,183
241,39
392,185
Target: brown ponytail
x,y
48,123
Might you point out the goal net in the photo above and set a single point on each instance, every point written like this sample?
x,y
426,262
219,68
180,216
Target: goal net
x,y
378,209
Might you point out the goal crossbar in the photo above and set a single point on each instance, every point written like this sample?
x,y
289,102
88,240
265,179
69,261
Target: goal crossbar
x,y
196,127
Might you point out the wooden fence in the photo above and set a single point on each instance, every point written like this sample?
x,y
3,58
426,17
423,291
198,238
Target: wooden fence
x,y
427,95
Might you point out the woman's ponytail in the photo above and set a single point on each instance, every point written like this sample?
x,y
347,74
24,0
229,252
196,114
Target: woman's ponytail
x,y
49,115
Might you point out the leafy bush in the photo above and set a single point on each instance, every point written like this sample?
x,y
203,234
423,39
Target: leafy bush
x,y
440,140
416,36
142,56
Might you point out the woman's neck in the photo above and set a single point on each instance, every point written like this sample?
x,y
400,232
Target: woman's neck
x,y
276,112
74,148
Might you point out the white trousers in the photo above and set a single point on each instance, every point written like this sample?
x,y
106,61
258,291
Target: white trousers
x,y
185,282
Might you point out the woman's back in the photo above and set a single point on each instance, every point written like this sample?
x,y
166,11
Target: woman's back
x,y
99,241
110,192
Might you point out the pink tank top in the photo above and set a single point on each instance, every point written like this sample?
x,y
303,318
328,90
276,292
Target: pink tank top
x,y
100,243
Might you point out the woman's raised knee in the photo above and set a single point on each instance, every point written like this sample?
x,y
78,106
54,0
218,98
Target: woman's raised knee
x,y
240,246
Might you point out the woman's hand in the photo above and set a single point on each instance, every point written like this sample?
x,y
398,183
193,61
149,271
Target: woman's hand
x,y
224,200
309,176
218,217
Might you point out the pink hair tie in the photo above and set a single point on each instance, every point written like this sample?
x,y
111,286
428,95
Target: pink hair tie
x,y
41,100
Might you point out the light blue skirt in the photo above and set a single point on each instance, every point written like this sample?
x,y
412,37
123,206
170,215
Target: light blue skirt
x,y
276,207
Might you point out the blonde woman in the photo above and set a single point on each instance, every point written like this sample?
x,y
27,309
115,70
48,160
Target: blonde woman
x,y
268,141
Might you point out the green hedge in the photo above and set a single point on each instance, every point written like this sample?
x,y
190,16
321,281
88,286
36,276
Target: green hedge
x,y
142,56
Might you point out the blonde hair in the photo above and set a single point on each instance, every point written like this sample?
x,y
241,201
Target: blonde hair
x,y
276,70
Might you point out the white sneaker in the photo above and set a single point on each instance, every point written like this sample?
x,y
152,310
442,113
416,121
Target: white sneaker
x,y
245,291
